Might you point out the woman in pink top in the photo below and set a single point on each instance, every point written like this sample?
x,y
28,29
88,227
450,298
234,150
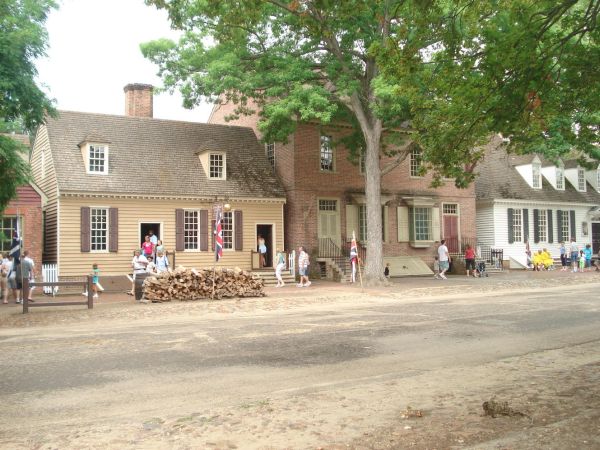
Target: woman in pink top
x,y
147,248
470,259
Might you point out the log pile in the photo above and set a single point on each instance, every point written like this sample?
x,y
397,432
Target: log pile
x,y
194,284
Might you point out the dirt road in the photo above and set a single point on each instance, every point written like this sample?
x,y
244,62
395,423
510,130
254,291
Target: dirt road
x,y
318,370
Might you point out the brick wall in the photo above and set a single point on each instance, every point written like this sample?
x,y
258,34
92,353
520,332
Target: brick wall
x,y
28,204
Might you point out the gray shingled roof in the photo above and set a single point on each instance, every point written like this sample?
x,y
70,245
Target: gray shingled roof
x,y
153,156
498,179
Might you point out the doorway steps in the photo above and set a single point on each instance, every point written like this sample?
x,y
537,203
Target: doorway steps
x,y
268,275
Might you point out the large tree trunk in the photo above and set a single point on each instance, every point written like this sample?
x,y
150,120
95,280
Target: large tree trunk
x,y
374,263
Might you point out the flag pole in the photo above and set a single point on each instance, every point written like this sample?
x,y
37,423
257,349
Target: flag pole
x,y
212,295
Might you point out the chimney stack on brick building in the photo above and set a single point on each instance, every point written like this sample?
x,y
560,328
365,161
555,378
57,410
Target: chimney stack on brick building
x,y
138,100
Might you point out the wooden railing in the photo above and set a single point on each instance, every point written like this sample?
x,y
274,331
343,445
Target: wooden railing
x,y
85,284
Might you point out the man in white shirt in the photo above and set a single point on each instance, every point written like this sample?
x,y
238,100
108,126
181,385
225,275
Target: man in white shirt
x,y
138,263
153,237
444,259
5,267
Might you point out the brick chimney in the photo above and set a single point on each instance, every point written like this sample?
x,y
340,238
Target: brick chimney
x,y
138,100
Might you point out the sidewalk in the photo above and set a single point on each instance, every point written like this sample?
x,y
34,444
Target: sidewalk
x,y
120,306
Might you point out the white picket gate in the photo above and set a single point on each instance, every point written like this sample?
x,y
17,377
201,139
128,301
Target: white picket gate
x,y
49,275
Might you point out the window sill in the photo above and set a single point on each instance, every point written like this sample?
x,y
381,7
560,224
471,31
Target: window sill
x,y
421,244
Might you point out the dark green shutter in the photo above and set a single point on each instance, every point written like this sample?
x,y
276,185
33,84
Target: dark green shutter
x,y
85,231
179,230
525,225
559,226
572,228
113,230
550,228
511,231
536,225
238,227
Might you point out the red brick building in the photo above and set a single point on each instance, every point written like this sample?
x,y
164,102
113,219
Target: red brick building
x,y
326,199
27,207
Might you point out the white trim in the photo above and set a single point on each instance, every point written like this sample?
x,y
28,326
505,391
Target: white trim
x,y
273,240
223,176
451,215
87,158
162,231
210,232
107,208
548,204
208,199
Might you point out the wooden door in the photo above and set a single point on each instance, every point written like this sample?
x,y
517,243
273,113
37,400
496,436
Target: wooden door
x,y
451,233
329,221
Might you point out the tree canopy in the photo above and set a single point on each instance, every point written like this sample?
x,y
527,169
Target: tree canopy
x,y
446,73
23,38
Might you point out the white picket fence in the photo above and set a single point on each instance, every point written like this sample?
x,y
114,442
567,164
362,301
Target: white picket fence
x,y
292,263
49,275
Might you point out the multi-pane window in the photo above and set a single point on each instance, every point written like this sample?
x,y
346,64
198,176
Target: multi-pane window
x,y
517,225
191,230
97,158
565,231
450,209
270,152
327,205
8,225
326,154
543,225
581,179
415,162
560,178
99,229
227,230
537,175
216,165
362,223
420,223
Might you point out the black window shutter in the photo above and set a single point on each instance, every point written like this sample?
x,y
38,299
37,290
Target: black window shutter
x,y
113,230
559,226
179,239
536,225
238,226
204,230
550,227
511,231
572,228
525,225
85,229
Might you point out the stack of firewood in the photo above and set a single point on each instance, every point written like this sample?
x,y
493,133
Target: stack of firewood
x,y
193,284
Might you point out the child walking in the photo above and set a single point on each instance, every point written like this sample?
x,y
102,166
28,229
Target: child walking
x,y
581,261
436,268
95,281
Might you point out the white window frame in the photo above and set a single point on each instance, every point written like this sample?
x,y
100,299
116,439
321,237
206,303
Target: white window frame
x,y
228,241
325,143
560,178
362,223
543,225
223,175
11,229
517,225
187,228
415,162
412,223
270,153
566,225
88,150
536,175
581,183
106,230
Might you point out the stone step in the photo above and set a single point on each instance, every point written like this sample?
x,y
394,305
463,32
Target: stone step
x,y
271,280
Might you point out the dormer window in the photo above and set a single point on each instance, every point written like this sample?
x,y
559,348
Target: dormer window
x,y
581,179
536,168
598,178
98,158
216,164
560,178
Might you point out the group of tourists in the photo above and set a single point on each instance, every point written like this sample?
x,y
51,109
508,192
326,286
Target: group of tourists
x,y
150,258
12,273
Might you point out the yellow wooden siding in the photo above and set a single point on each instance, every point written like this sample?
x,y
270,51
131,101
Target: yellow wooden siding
x,y
48,185
132,212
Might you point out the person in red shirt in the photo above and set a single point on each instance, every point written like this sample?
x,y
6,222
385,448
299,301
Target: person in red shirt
x,y
470,259
147,248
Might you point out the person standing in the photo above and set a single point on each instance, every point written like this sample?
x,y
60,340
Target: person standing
x,y
280,260
138,263
574,255
444,259
153,237
588,256
4,270
470,259
262,250
303,263
147,248
27,269
563,257
162,262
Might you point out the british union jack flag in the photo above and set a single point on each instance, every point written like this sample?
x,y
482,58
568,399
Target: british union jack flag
x,y
218,237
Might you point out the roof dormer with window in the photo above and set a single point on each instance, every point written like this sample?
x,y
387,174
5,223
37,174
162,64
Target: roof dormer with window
x,y
214,164
593,177
531,172
555,174
94,151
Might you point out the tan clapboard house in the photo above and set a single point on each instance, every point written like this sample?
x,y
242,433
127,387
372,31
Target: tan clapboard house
x,y
110,179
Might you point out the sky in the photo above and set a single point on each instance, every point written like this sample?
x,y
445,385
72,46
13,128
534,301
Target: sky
x,y
94,51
